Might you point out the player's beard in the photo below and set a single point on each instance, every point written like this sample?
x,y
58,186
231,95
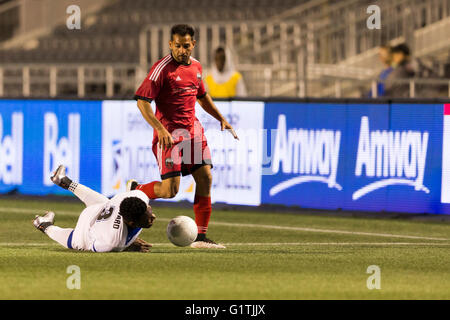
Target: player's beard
x,y
184,59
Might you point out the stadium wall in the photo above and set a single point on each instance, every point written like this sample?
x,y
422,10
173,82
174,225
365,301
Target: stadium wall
x,y
352,155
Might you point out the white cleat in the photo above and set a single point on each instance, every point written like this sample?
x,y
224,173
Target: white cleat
x,y
59,177
206,245
202,242
42,222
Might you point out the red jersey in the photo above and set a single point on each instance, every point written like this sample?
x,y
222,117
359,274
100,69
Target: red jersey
x,y
175,87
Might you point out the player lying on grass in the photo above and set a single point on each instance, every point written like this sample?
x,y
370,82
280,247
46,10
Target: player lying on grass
x,y
104,225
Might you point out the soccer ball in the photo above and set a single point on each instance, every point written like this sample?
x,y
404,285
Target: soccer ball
x,y
182,231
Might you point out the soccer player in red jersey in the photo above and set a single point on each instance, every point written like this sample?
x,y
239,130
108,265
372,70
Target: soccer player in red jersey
x,y
179,145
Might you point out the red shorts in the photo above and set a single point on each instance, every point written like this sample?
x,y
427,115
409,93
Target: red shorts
x,y
183,158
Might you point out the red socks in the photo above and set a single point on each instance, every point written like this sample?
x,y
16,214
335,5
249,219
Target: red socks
x,y
202,210
148,189
202,206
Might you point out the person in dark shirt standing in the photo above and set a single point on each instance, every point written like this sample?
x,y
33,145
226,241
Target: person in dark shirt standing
x,y
402,70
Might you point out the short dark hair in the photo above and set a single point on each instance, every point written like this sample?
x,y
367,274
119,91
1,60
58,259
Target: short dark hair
x,y
220,50
132,208
182,30
402,47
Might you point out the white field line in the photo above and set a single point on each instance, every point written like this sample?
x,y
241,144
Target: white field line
x,y
247,225
388,235
337,244
256,244
39,211
28,244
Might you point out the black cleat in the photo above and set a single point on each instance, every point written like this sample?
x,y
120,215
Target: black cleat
x,y
132,185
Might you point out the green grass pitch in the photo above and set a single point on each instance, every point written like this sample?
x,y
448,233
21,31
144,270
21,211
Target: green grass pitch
x,y
268,256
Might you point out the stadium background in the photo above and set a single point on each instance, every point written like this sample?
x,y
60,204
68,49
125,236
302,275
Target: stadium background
x,y
309,67
78,82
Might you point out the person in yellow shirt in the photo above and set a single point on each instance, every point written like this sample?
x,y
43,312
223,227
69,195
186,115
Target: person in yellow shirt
x,y
223,81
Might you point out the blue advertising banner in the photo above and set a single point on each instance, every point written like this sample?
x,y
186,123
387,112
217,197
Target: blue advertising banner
x,y
369,157
396,159
11,145
53,132
359,156
421,127
305,164
372,157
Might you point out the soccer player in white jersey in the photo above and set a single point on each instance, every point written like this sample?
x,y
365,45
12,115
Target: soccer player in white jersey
x,y
105,224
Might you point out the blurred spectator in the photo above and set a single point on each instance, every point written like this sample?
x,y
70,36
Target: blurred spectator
x,y
446,68
402,69
223,81
428,68
385,56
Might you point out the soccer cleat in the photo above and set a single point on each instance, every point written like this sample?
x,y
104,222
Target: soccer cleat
x,y
60,179
202,242
43,222
131,185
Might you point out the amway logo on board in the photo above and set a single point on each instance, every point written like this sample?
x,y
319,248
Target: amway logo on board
x,y
398,156
312,154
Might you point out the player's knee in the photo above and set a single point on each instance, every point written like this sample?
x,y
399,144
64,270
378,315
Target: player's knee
x,y
205,180
208,180
173,190
170,191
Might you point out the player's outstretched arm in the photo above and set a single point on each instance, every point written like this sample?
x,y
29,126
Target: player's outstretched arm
x,y
208,105
164,137
139,245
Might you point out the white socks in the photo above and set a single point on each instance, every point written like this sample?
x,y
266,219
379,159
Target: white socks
x,y
58,234
87,195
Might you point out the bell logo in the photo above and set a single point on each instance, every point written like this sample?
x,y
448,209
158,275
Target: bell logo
x,y
11,151
65,150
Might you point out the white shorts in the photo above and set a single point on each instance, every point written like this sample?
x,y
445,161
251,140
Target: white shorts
x,y
80,235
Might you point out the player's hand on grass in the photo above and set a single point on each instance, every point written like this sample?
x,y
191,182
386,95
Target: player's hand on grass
x,y
139,245
165,139
226,126
144,246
